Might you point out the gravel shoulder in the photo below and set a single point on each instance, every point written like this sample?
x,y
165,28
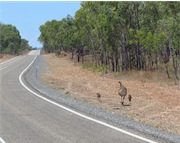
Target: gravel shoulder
x,y
34,79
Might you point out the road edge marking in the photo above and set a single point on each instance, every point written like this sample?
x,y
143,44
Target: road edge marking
x,y
3,68
77,113
8,60
1,140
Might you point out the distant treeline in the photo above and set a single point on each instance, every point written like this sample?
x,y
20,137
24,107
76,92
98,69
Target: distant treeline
x,y
11,41
119,36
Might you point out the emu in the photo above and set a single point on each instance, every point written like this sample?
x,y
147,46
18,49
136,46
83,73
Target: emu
x,y
122,92
98,97
130,98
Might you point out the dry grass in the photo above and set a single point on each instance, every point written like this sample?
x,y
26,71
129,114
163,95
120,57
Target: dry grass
x,y
155,99
4,57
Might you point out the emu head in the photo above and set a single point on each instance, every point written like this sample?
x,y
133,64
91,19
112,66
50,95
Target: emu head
x,y
120,83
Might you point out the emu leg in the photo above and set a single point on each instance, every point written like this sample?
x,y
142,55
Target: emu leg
x,y
123,100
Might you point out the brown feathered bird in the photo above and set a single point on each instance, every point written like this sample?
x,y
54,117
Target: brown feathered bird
x,y
122,92
98,96
130,98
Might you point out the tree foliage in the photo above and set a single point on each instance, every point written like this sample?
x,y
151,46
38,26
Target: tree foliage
x,y
119,36
10,40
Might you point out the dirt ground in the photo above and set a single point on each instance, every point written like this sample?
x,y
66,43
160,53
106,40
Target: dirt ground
x,y
155,99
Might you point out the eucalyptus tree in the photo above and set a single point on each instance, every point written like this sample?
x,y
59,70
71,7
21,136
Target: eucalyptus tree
x,y
10,39
66,32
169,25
83,30
44,36
57,35
24,45
119,36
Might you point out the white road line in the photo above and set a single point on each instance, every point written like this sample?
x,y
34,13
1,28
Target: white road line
x,y
8,60
34,52
77,113
1,140
3,68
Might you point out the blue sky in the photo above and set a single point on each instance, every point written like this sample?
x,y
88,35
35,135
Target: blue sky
x,y
28,16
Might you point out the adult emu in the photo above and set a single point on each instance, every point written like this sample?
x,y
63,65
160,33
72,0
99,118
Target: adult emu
x,y
122,92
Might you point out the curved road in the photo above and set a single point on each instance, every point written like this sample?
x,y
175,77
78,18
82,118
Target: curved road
x,y
26,118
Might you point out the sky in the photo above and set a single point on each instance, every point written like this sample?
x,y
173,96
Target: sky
x,y
28,16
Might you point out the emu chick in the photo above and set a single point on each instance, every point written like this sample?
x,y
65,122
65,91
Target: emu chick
x,y
130,98
98,95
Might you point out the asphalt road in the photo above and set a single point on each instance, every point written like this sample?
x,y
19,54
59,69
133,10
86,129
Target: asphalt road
x,y
26,118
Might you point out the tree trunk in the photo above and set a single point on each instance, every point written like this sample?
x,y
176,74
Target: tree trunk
x,y
78,55
166,69
117,61
175,65
138,56
112,63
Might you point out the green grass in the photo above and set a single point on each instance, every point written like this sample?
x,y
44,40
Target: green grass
x,y
92,67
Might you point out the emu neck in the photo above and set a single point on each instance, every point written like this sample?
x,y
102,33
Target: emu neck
x,y
120,84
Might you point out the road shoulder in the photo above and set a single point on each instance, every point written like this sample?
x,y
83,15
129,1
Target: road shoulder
x,y
33,80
